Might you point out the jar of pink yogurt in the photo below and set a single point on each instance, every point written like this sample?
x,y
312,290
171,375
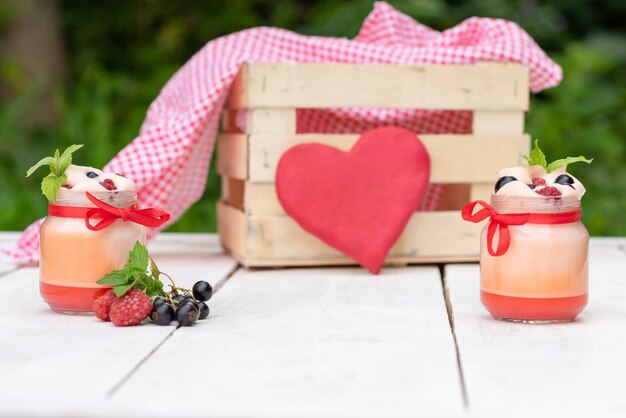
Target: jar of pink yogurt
x,y
534,261
73,257
543,274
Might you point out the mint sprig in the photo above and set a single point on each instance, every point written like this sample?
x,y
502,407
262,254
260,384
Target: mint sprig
x,y
136,274
537,157
58,163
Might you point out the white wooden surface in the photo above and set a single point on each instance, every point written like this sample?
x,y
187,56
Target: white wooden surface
x,y
315,343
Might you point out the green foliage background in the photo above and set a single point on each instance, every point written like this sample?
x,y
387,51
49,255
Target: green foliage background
x,y
121,53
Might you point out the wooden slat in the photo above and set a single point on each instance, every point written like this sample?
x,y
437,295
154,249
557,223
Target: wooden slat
x,y
280,241
498,122
271,121
483,86
454,158
233,192
232,155
312,343
489,122
261,199
481,191
574,369
229,121
54,355
232,228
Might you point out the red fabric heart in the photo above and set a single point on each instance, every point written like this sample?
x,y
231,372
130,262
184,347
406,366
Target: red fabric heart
x,y
358,202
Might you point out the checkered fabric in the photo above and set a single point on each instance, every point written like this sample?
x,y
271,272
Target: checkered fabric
x,y
170,158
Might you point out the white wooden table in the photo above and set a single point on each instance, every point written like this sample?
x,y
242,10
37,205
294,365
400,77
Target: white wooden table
x,y
332,342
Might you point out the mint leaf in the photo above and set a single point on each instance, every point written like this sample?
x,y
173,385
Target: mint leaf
x,y
566,161
151,286
50,186
537,157
154,270
115,278
121,290
138,257
65,159
49,161
135,274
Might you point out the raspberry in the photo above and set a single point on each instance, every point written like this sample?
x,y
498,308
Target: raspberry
x,y
108,184
549,191
102,305
538,181
131,309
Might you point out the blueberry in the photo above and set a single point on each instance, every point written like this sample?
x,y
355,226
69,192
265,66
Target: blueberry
x,y
92,175
204,310
162,314
202,291
565,180
532,186
187,314
502,181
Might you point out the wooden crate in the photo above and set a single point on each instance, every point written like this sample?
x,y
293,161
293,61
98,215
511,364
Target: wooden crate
x,y
251,222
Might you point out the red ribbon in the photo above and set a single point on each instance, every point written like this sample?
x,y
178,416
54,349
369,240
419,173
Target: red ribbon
x,y
501,221
108,214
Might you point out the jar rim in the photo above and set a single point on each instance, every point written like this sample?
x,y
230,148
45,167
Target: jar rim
x,y
78,198
523,204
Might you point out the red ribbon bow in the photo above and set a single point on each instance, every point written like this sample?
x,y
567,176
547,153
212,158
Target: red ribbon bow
x,y
108,214
501,221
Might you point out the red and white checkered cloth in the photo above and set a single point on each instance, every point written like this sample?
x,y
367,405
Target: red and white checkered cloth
x,y
170,158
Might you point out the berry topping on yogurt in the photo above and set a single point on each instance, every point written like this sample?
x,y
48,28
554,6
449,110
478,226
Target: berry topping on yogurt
x,y
539,179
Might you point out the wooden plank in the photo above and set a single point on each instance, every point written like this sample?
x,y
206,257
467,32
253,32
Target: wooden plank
x,y
232,155
233,192
486,122
280,241
454,158
261,200
574,369
498,122
271,121
483,86
481,191
238,96
229,121
232,227
54,355
313,343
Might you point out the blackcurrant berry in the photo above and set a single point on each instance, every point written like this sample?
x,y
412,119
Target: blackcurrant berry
x,y
502,181
565,180
158,301
186,315
191,301
204,310
202,291
92,175
162,314
180,298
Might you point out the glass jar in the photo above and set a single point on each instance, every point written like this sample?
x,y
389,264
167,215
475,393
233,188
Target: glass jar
x,y
73,257
543,274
